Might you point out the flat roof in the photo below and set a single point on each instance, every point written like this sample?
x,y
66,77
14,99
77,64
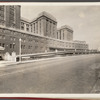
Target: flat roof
x,y
65,26
47,15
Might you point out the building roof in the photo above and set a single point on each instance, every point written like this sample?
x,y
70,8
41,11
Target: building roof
x,y
77,41
26,20
65,26
47,15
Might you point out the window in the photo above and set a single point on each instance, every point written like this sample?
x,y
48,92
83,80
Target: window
x,y
3,37
10,45
14,39
36,47
0,37
1,7
21,46
11,38
29,47
22,25
57,35
13,46
27,27
66,44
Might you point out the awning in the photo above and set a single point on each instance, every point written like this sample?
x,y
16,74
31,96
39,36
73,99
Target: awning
x,y
2,48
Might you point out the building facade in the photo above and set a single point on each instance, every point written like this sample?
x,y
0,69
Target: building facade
x,y
10,16
65,33
38,35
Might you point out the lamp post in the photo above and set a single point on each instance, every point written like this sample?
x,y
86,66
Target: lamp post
x,y
20,49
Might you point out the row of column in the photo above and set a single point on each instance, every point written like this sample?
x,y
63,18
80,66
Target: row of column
x,y
63,34
51,29
37,27
45,27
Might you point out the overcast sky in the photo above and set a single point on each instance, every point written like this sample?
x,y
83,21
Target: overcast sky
x,y
85,20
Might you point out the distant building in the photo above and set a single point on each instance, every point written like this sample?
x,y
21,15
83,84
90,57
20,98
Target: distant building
x,y
65,33
38,35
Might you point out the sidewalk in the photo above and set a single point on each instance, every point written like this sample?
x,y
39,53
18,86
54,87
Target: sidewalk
x,y
8,63
5,63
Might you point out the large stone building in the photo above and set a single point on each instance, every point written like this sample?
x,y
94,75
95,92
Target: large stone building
x,y
38,35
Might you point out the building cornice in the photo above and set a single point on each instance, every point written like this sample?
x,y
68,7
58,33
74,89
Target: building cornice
x,y
29,33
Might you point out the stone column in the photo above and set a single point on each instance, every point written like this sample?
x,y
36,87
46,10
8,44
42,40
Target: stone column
x,y
65,35
32,28
48,28
43,26
35,27
51,29
24,27
58,35
55,30
39,31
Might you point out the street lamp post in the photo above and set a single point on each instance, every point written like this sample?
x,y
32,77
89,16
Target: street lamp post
x,y
20,49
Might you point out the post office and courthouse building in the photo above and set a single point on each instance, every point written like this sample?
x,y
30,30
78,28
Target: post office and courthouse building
x,y
37,36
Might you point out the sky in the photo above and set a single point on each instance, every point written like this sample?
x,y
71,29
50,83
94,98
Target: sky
x,y
85,20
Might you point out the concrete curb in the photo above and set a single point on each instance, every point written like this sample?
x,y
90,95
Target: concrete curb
x,y
29,61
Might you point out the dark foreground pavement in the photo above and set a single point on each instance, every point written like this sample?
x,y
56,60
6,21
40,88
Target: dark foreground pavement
x,y
70,74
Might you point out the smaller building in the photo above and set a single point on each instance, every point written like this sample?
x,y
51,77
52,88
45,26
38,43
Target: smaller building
x,y
45,24
65,33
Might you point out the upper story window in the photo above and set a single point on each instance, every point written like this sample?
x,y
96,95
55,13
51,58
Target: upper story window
x,y
57,35
22,26
1,8
2,37
27,27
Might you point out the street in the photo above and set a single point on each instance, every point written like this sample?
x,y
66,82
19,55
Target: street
x,y
70,74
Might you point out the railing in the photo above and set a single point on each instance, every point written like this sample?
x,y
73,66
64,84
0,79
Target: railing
x,y
52,54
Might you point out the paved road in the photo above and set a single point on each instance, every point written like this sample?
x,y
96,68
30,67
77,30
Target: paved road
x,y
70,74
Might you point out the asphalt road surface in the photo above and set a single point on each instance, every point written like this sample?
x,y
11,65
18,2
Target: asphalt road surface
x,y
70,74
